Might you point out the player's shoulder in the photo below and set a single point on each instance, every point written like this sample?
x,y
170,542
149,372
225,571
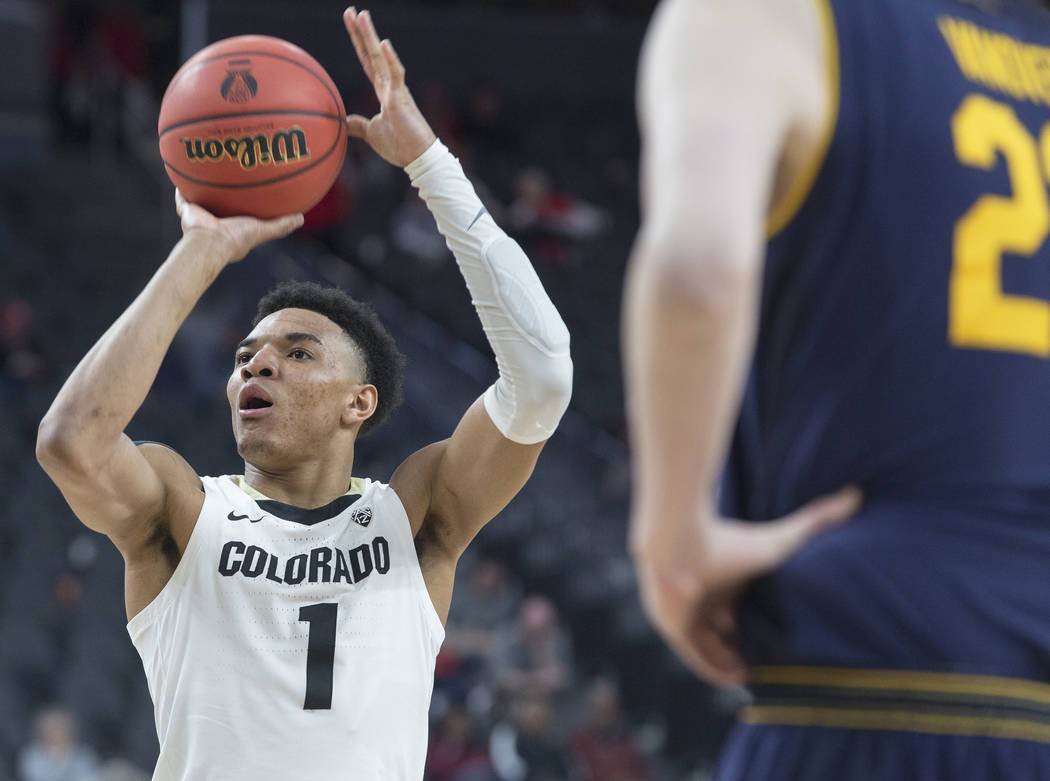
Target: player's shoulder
x,y
767,48
172,469
781,18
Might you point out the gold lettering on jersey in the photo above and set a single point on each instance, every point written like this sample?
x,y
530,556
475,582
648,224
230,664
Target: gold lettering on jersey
x,y
997,61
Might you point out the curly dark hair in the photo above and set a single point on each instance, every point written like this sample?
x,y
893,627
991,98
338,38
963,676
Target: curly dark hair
x,y
383,361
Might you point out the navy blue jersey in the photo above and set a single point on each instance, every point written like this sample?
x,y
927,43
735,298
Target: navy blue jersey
x,y
904,346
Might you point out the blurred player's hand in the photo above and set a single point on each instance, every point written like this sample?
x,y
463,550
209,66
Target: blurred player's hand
x,y
398,133
236,236
690,586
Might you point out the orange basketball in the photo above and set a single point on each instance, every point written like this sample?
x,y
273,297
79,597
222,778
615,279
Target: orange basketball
x,y
252,125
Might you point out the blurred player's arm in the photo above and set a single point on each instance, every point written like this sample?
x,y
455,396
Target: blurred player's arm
x,y
113,486
453,487
734,104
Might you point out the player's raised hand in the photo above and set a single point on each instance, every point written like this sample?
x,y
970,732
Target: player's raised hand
x,y
398,133
690,586
237,235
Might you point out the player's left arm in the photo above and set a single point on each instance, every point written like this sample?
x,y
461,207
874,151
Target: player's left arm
x,y
452,488
734,103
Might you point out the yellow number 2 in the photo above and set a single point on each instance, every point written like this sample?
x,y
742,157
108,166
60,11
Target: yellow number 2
x,y
980,314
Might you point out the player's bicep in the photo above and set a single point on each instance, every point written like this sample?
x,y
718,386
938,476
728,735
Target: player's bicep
x,y
480,473
456,486
126,495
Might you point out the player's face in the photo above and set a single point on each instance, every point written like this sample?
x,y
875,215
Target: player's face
x,y
292,380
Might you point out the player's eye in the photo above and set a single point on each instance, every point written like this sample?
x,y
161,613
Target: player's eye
x,y
299,354
242,358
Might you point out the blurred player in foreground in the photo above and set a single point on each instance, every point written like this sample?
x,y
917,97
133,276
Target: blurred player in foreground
x,y
843,280
287,627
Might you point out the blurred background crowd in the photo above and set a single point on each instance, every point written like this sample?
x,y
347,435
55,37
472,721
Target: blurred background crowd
x,y
549,670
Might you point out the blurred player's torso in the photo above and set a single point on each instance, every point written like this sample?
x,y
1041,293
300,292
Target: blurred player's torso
x,y
904,346
292,643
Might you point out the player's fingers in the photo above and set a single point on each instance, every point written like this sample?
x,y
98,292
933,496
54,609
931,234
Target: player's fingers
x,y
393,62
701,635
722,619
357,125
719,652
351,19
827,511
788,534
709,656
190,213
691,658
373,51
281,226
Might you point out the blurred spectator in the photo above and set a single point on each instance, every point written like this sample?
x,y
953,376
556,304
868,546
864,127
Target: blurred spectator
x,y
121,770
549,219
325,219
535,655
99,63
414,233
455,753
435,101
55,753
484,605
21,357
486,125
481,608
528,749
603,748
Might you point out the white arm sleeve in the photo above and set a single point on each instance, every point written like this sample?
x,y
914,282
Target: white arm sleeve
x,y
525,331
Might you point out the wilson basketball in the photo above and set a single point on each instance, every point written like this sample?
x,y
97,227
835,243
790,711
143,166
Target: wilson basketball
x,y
252,125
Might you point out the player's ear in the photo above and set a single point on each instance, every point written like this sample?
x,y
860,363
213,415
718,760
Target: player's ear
x,y
361,406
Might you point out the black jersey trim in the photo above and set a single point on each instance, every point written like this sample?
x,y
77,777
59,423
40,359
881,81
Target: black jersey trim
x,y
307,517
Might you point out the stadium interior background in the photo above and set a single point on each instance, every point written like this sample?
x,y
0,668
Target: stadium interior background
x,y
537,100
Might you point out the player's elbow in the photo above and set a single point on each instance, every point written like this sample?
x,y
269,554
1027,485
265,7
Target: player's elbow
x,y
706,270
527,406
551,388
58,451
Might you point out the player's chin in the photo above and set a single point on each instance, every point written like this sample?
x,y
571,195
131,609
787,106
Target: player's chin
x,y
256,450
253,441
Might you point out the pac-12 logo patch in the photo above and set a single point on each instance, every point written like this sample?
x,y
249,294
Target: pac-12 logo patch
x,y
239,86
362,516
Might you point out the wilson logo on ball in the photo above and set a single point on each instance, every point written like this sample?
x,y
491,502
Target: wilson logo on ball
x,y
239,86
252,125
279,148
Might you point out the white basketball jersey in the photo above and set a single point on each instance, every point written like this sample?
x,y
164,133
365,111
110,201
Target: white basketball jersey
x,y
292,644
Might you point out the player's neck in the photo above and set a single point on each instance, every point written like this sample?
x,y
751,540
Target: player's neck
x,y
308,485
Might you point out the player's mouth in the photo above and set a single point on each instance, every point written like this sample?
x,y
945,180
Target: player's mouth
x,y
253,402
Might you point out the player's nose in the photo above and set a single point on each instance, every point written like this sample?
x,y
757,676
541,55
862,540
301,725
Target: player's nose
x,y
262,364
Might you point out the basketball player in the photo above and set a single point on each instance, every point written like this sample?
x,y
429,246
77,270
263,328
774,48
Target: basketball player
x,y
288,619
843,281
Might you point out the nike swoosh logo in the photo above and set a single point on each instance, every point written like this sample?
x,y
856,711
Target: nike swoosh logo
x,y
477,217
234,517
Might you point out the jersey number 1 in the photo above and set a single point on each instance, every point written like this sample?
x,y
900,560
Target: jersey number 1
x,y
320,653
980,314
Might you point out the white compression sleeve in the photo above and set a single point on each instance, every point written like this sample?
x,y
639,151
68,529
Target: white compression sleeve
x,y
525,331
